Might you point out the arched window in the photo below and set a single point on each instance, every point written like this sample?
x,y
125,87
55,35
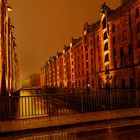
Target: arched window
x,y
104,23
106,46
106,58
105,36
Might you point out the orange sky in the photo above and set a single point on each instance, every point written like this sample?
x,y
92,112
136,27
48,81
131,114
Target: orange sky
x,y
42,26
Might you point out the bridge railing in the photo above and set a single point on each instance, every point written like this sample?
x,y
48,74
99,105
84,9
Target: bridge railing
x,y
13,107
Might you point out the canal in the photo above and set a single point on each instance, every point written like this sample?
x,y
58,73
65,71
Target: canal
x,y
110,130
31,103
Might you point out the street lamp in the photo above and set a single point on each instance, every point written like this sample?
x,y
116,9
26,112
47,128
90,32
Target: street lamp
x,y
9,8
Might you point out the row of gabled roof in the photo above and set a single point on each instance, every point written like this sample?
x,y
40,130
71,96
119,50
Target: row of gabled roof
x,y
91,28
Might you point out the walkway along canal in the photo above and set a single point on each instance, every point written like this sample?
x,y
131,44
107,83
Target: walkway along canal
x,y
32,103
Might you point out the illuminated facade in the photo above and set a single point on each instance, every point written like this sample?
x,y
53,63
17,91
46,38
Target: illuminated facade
x,y
108,54
9,70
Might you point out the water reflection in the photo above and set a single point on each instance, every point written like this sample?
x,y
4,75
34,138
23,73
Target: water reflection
x,y
30,104
122,133
59,136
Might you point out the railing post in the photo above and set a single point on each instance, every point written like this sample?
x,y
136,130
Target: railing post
x,y
9,106
137,97
82,104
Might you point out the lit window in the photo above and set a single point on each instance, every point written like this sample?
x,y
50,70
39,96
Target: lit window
x,y
106,58
106,46
104,23
105,36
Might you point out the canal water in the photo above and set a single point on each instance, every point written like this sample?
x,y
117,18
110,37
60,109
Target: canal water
x,y
99,131
31,103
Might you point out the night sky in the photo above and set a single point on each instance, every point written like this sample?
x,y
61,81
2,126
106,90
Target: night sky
x,y
44,26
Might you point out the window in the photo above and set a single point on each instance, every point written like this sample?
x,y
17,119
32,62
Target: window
x,y
97,37
138,27
106,46
90,42
123,83
91,51
76,84
113,41
72,70
86,56
124,35
137,12
99,58
78,50
86,64
106,58
129,48
98,49
131,83
82,56
115,64
86,49
121,51
81,48
83,83
138,43
99,83
92,82
92,70
91,61
114,52
105,36
104,23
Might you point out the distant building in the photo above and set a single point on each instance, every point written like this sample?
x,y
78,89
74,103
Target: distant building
x,y
34,80
107,56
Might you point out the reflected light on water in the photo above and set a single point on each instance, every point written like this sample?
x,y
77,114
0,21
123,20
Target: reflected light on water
x,y
30,104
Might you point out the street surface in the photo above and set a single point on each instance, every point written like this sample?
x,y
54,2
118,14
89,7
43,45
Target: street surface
x,y
125,129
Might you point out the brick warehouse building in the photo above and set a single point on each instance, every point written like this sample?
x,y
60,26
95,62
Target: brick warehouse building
x,y
108,54
9,68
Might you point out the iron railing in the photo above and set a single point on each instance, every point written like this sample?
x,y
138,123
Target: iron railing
x,y
13,107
